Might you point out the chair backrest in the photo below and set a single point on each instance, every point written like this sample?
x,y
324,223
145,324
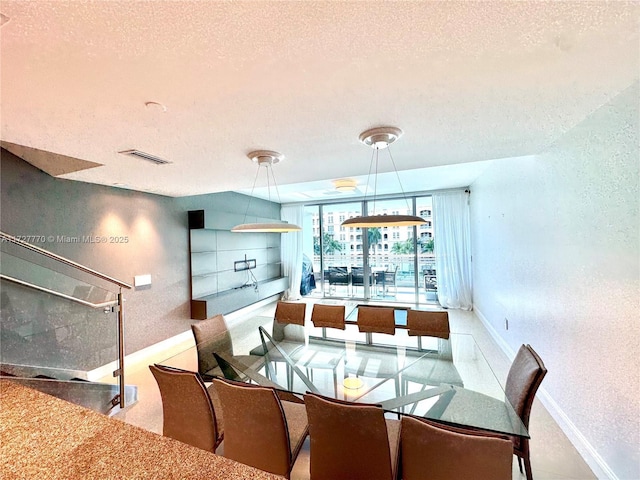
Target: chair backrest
x,y
331,316
211,335
187,412
447,454
338,276
524,378
432,324
357,276
255,431
348,440
390,276
290,312
376,320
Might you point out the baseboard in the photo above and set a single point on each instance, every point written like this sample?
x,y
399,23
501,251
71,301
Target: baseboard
x,y
185,338
587,451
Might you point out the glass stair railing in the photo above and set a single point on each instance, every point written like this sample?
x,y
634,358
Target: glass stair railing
x,y
61,327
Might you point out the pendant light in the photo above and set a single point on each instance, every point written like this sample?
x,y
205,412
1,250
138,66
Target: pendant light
x,y
380,139
265,158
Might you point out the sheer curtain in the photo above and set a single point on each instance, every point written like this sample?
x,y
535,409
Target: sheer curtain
x,y
291,250
452,248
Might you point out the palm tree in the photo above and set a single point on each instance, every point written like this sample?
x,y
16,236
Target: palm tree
x,y
374,236
330,245
403,247
427,247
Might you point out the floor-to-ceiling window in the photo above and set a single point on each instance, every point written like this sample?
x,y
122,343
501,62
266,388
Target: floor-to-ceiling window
x,y
427,285
391,264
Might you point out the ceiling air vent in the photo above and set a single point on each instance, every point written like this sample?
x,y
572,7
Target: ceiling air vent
x,y
145,156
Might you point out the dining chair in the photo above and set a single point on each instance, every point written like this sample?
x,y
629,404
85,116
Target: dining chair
x,y
290,312
339,276
386,279
351,441
328,316
324,358
188,413
358,278
261,431
524,377
376,320
212,335
449,453
428,323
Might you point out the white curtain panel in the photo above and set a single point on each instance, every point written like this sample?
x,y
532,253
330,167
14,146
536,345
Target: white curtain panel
x,y
291,250
452,248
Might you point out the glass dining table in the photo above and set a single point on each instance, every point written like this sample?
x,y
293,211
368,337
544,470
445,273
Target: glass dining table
x,y
446,380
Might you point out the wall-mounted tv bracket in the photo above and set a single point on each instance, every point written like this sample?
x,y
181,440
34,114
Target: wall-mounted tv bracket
x,y
246,264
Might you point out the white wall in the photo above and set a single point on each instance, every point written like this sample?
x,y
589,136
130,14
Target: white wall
x,y
556,250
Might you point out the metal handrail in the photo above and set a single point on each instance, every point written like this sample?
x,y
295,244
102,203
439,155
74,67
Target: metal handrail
x,y
118,304
58,258
58,294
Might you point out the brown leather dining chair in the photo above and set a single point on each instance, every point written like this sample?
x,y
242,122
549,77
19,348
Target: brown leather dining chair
x,y
351,441
213,336
188,414
524,377
261,431
290,312
448,453
376,320
328,316
428,323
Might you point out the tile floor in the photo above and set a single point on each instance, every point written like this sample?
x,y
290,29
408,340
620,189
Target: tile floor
x,y
552,455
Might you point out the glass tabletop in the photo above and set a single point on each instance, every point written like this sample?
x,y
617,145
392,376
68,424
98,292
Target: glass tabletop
x,y
446,380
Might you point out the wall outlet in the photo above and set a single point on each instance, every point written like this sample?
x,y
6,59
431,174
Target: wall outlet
x,y
506,323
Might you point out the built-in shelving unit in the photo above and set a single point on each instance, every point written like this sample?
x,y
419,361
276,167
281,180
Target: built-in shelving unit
x,y
230,271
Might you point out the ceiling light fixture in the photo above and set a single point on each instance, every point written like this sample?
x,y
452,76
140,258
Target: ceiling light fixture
x,y
379,139
344,185
265,158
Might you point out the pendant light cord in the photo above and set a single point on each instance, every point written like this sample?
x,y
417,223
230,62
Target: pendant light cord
x,y
366,190
268,166
246,212
404,195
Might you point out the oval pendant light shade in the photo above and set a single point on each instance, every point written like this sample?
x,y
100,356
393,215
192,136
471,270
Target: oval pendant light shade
x,y
274,227
378,139
266,158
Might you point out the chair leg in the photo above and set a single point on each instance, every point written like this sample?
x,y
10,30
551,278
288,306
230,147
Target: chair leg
x,y
527,468
519,463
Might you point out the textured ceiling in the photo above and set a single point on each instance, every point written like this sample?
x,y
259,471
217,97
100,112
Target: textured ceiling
x,y
466,81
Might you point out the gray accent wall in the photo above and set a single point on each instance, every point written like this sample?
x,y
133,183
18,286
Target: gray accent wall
x,y
556,250
156,229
